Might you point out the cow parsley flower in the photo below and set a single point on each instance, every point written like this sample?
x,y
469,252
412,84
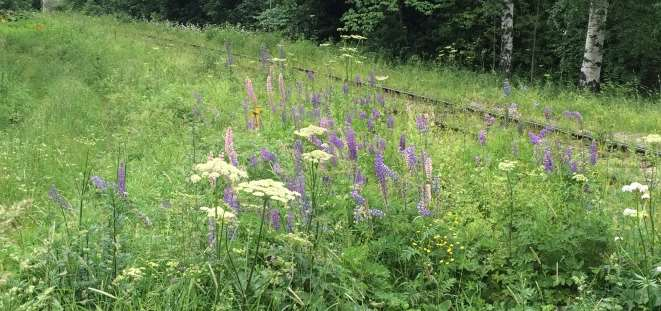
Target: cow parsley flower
x,y
311,130
629,212
268,188
216,167
219,213
507,165
317,156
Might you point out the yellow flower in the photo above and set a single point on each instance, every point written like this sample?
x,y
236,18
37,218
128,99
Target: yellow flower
x,y
268,188
317,156
311,130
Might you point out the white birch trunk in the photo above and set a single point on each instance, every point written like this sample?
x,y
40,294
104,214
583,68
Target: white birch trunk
x,y
594,45
506,25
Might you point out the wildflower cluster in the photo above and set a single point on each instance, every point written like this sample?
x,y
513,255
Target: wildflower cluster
x,y
268,188
215,168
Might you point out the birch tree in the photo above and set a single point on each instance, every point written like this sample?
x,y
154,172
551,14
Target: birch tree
x,y
506,25
594,45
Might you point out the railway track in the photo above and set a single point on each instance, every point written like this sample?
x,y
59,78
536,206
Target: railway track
x,y
583,136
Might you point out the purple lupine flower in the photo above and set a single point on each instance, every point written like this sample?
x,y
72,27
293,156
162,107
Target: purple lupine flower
x,y
409,155
275,219
593,153
251,124
99,183
121,179
422,209
548,160
335,140
359,179
573,166
489,120
267,155
310,75
357,79
315,99
421,123
381,171
317,142
548,113
58,199
376,113
545,131
351,144
390,122
297,184
231,199
482,137
380,99
326,122
376,213
402,142
229,147
316,113
345,88
359,199
534,139
362,115
426,164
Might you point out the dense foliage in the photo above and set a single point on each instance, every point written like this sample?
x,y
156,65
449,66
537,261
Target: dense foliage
x,y
549,36
143,173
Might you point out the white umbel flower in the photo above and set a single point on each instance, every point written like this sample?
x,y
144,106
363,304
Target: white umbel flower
x,y
311,130
268,188
317,156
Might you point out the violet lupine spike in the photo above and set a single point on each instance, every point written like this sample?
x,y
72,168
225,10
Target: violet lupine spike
x,y
534,138
390,122
381,171
362,115
593,153
229,147
352,146
335,140
275,219
422,124
411,159
370,125
402,143
315,99
121,179
359,180
250,91
573,166
58,199
422,209
345,88
267,155
568,155
326,123
99,183
376,113
380,144
231,199
548,160
317,142
545,131
482,137
358,199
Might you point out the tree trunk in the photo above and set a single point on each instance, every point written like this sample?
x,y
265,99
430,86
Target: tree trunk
x,y
594,45
506,25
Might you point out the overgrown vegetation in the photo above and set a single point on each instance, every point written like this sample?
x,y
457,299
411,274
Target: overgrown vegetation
x,y
135,172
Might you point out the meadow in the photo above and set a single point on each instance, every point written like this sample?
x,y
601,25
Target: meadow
x,y
139,171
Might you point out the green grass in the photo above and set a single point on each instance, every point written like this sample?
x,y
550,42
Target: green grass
x,y
82,94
